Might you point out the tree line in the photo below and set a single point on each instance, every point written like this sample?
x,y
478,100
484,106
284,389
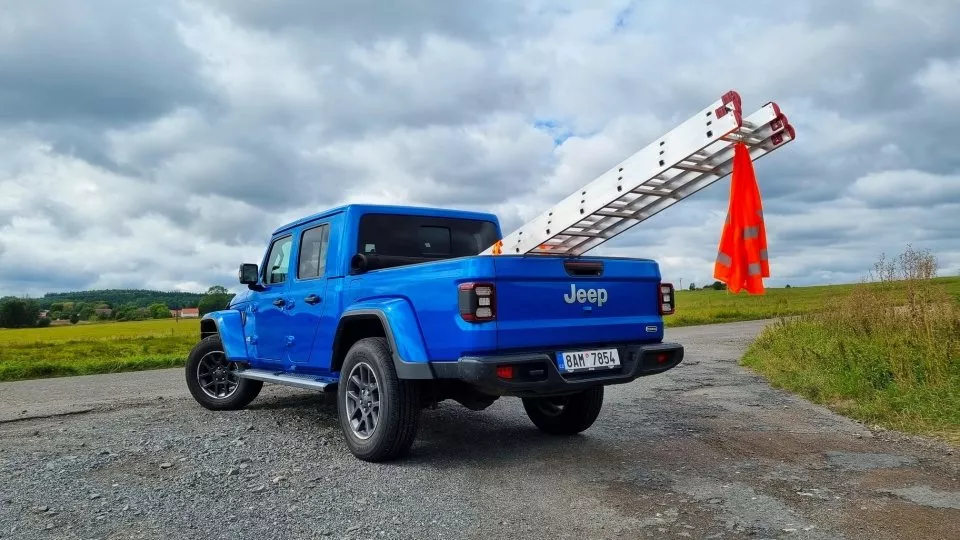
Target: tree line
x,y
106,305
118,297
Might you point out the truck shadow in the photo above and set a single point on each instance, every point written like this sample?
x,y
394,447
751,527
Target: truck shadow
x,y
449,435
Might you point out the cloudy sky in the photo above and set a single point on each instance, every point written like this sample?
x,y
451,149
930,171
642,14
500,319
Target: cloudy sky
x,y
156,144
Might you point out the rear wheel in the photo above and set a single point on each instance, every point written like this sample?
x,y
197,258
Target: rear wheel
x,y
565,415
379,413
212,378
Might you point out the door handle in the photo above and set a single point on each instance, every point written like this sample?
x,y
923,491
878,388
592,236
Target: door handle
x,y
279,302
312,299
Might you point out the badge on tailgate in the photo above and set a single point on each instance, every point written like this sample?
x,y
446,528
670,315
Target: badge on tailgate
x,y
581,296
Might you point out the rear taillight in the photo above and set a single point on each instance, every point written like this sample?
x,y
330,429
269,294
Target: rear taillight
x,y
667,305
477,302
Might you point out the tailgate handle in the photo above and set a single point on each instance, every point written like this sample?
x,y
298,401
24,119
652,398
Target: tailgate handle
x,y
583,268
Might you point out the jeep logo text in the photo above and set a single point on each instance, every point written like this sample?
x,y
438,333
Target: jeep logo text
x,y
593,296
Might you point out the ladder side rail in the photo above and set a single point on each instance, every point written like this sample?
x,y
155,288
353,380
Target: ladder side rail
x,y
718,120
724,157
591,198
764,126
589,235
588,199
756,152
766,120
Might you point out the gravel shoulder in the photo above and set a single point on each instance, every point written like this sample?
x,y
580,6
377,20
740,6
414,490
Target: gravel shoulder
x,y
707,450
39,398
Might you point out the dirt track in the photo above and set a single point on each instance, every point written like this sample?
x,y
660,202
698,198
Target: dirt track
x,y
706,451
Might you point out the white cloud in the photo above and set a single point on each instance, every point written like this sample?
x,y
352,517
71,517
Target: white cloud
x,y
940,80
905,189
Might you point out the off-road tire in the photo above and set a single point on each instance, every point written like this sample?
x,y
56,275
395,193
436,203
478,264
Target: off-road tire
x,y
578,411
246,389
399,403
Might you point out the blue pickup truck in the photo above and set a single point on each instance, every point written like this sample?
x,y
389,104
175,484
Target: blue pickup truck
x,y
395,309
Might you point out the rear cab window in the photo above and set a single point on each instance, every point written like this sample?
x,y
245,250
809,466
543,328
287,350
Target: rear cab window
x,y
424,237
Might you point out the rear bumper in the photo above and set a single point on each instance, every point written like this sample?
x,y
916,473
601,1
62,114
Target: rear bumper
x,y
537,374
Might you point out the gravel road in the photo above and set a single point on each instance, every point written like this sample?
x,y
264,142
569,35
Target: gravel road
x,y
708,450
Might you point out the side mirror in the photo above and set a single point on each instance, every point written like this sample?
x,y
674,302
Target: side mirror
x,y
249,274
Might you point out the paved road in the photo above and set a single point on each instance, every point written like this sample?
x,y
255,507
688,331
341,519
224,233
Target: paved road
x,y
708,450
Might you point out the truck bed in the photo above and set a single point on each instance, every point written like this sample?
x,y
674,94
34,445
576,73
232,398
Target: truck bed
x,y
540,302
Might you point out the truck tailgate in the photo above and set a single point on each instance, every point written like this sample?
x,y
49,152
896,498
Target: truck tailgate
x,y
555,302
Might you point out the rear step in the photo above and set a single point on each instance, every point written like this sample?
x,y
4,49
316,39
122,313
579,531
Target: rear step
x,y
300,380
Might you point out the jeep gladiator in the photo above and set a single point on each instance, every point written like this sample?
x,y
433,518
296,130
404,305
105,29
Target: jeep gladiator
x,y
395,309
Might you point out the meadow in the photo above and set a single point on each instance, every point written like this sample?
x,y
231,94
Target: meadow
x,y
710,306
85,349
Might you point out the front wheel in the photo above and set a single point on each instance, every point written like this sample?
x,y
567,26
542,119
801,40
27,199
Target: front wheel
x,y
565,415
379,413
212,378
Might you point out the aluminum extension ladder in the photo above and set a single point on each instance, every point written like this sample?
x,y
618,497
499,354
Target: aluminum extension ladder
x,y
687,159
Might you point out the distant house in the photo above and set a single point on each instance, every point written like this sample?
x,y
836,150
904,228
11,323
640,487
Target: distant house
x,y
189,313
103,311
44,313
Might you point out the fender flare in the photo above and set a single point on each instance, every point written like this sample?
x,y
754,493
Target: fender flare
x,y
229,324
402,332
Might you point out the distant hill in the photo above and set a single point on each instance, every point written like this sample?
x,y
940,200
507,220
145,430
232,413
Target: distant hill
x,y
120,297
106,305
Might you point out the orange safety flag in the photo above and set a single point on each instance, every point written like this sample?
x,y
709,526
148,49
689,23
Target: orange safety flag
x,y
742,257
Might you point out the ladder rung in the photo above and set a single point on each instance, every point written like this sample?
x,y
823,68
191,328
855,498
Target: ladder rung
x,y
584,234
743,136
627,215
696,168
654,192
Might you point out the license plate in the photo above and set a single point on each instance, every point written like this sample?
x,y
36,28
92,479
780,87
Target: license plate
x,y
575,361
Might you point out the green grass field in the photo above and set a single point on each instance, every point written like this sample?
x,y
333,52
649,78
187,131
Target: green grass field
x,y
710,306
86,349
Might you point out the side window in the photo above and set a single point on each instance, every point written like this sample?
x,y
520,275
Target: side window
x,y
279,261
313,252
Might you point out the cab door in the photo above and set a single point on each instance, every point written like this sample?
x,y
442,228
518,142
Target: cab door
x,y
308,289
270,306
